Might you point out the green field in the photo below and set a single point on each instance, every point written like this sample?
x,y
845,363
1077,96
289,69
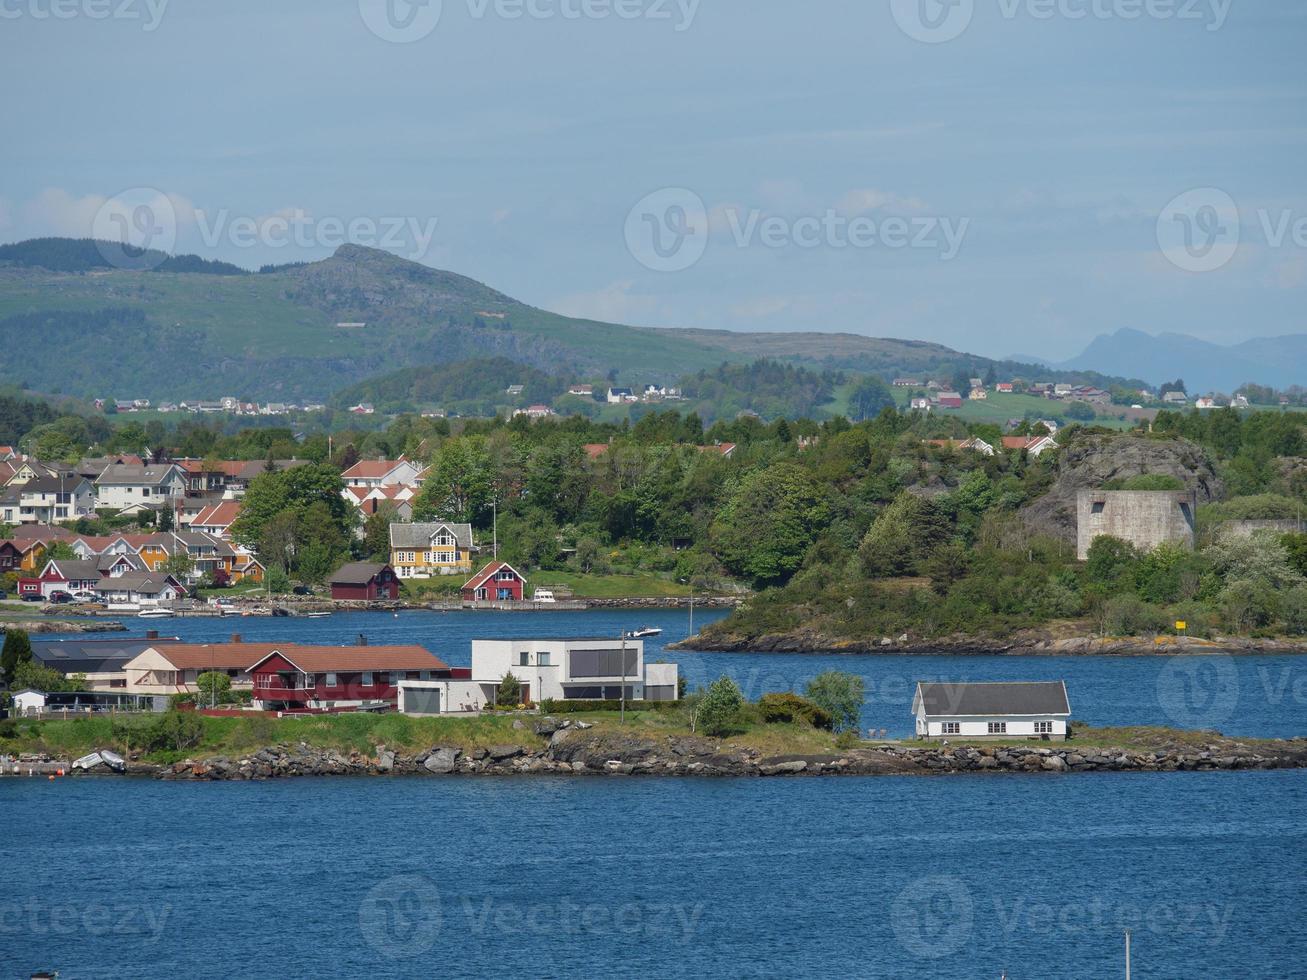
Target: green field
x,y
998,408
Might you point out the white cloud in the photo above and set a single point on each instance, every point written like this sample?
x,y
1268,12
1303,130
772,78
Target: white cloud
x,y
862,200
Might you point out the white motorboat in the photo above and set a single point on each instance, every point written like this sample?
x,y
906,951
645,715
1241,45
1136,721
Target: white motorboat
x,y
643,632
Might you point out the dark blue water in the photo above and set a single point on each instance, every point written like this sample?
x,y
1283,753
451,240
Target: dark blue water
x,y
1255,696
558,877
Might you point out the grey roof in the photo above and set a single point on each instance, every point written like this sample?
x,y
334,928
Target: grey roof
x,y
51,483
145,584
106,562
78,570
356,573
135,476
420,535
87,656
1007,698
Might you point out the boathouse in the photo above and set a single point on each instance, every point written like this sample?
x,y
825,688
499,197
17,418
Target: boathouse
x,y
1036,710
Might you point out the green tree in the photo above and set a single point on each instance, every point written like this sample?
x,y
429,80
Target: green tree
x,y
213,687
770,522
902,535
376,532
1111,562
17,650
718,711
30,674
840,695
870,396
459,485
510,690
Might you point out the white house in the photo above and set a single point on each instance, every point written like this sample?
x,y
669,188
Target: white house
x,y
617,396
1038,709
46,499
29,703
124,487
136,589
382,473
557,669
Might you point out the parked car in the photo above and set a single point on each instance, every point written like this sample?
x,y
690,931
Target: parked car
x,y
33,597
84,596
58,597
303,590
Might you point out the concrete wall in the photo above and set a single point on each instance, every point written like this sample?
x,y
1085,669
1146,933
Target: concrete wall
x,y
1145,518
1246,529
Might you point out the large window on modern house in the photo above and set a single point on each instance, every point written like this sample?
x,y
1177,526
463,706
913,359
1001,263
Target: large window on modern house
x,y
998,728
544,658
951,728
601,663
660,692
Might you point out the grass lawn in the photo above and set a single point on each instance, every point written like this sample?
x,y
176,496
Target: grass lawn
x,y
642,585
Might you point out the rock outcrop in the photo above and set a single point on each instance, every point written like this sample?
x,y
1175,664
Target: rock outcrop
x,y
1089,463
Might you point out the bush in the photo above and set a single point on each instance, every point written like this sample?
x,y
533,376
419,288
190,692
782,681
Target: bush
x,y
1128,615
786,707
510,690
840,695
718,711
1293,609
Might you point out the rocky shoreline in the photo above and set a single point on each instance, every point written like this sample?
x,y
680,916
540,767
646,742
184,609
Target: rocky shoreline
x,y
568,748
1023,643
62,626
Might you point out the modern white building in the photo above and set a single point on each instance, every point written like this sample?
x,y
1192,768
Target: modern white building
x,y
1038,709
127,487
555,669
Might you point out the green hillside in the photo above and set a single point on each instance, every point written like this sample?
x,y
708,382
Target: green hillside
x,y
197,329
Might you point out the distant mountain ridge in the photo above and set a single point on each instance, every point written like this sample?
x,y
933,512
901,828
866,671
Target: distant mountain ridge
x,y
73,323
1275,361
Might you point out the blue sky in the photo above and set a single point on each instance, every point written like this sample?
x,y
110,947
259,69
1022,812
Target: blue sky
x,y
1004,190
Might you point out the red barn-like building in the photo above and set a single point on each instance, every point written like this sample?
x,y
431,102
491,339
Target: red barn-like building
x,y
497,582
365,580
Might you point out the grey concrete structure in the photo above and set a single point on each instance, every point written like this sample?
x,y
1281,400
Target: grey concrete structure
x,y
1246,529
1145,518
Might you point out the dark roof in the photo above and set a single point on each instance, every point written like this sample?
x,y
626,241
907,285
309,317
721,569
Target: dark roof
x,y
1014,698
87,656
357,573
420,535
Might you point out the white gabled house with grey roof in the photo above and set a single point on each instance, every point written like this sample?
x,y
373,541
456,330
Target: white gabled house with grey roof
x,y
133,488
1021,709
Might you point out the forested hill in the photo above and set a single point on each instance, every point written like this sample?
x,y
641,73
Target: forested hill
x,y
188,328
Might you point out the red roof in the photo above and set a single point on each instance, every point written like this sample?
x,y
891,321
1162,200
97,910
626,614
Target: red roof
x,y
370,469
218,515
321,659
483,576
595,449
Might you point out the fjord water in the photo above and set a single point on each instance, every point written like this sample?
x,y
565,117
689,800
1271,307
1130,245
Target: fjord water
x,y
1254,696
919,877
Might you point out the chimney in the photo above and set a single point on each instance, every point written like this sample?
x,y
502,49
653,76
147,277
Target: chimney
x,y
235,638
151,634
363,640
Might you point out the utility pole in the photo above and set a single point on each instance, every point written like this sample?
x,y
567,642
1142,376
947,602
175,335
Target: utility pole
x,y
1127,954
494,527
622,714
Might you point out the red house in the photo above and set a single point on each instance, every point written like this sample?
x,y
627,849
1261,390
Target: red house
x,y
365,580
322,677
497,582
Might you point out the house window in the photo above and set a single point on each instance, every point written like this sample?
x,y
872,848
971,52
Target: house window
x,y
950,728
998,728
331,679
443,557
382,677
524,659
1043,728
367,678
542,659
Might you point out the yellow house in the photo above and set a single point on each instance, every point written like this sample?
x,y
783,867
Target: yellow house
x,y
427,550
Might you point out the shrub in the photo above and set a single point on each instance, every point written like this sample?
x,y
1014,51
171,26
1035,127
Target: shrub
x,y
840,695
1293,609
510,690
718,712
1128,615
214,686
786,707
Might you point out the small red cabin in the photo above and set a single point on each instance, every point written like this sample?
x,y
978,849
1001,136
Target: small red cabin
x,y
365,580
497,582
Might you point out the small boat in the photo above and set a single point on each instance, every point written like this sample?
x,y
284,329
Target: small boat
x,y
155,614
643,632
317,615
543,595
102,758
279,611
